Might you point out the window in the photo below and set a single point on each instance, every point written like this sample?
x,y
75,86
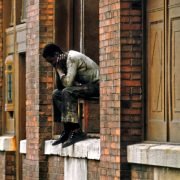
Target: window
x,y
163,65
22,98
9,83
9,100
24,11
20,15
75,29
13,108
12,13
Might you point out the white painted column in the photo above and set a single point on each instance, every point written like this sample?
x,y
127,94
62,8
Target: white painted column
x,y
75,169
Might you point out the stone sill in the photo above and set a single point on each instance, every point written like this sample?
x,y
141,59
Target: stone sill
x,y
89,149
23,146
19,27
7,143
165,155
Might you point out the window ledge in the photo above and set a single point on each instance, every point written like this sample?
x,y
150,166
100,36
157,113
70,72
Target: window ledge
x,y
7,143
23,146
89,149
155,154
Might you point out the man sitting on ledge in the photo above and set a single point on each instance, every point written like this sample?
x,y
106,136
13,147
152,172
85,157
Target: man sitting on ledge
x,y
77,76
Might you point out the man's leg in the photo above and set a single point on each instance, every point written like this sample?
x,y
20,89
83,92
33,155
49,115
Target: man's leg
x,y
69,110
57,104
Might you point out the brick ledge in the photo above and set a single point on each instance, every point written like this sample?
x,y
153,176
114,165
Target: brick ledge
x,y
23,146
154,154
89,149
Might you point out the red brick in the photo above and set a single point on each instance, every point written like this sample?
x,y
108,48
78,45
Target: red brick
x,y
130,59
38,107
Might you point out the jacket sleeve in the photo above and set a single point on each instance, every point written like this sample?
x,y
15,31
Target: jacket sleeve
x,y
58,84
68,79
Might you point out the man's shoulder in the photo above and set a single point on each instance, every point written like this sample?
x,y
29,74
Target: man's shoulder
x,y
78,57
73,53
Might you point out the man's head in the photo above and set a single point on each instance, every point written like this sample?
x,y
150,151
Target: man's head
x,y
51,52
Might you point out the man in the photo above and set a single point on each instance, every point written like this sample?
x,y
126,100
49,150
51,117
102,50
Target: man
x,y
77,76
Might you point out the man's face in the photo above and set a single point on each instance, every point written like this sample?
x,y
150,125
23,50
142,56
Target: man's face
x,y
52,60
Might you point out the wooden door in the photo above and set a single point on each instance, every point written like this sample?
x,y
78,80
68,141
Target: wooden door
x,y
156,108
174,62
163,67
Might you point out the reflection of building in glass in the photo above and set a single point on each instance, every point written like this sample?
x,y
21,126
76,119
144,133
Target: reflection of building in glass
x,y
9,83
9,86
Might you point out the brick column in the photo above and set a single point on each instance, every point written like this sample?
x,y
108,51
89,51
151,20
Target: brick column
x,y
39,85
121,84
131,78
110,89
1,62
7,165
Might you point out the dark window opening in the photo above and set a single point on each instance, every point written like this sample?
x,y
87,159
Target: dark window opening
x,y
75,30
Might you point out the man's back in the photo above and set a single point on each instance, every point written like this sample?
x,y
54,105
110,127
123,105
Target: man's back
x,y
80,68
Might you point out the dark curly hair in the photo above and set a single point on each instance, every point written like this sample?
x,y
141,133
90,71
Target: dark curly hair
x,y
50,50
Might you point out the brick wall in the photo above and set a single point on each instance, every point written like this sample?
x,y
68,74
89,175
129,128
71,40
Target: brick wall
x,y
141,172
93,170
2,165
110,89
39,85
56,168
131,78
121,84
45,78
7,166
145,172
10,166
1,62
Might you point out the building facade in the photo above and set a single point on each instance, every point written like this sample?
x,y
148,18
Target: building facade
x,y
132,127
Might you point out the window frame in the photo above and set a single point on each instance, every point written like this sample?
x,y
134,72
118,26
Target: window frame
x,y
74,38
24,11
9,106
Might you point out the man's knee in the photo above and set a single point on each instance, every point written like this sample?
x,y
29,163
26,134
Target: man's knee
x,y
67,91
56,93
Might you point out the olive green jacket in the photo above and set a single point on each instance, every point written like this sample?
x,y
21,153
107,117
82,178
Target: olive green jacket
x,y
80,68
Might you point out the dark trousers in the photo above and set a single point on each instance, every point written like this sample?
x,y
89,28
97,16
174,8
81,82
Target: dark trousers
x,y
65,101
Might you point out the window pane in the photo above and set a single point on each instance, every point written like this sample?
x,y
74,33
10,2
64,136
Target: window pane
x,y
24,12
12,14
9,88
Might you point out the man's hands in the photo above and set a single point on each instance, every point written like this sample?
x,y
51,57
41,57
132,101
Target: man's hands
x,y
61,57
61,63
60,72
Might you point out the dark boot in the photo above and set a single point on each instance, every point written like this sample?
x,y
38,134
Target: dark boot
x,y
63,136
74,137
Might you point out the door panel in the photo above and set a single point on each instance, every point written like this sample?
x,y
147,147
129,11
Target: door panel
x,y
174,58
156,125
173,2
154,4
163,67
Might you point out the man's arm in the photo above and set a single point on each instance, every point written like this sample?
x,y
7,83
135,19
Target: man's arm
x,y
59,84
68,79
